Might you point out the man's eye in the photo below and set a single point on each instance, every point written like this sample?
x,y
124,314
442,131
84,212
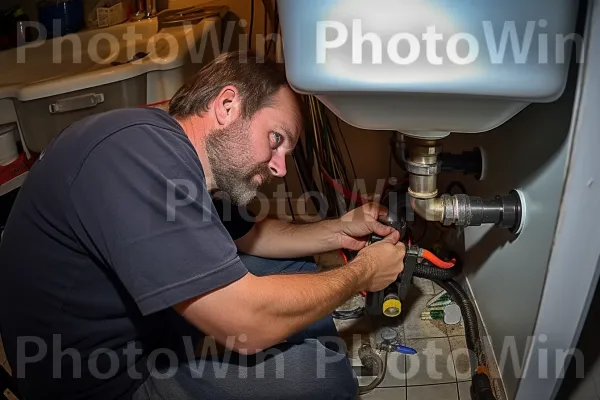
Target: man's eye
x,y
277,137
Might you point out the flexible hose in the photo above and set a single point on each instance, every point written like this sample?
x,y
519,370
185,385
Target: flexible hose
x,y
424,270
445,279
469,317
432,258
375,362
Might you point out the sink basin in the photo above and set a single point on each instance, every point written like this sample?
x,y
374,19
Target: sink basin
x,y
428,67
127,65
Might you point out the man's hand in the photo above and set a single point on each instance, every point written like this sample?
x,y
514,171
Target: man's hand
x,y
380,263
358,224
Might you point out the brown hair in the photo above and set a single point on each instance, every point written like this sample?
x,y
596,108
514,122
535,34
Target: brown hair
x,y
256,79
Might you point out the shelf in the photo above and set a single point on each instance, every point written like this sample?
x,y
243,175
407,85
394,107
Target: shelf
x,y
12,184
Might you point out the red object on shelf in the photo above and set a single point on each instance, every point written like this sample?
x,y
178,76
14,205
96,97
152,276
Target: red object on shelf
x,y
18,167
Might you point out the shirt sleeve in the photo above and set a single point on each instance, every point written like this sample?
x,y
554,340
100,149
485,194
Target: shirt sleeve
x,y
144,210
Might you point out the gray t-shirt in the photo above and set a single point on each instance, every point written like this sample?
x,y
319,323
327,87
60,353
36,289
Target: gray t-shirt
x,y
113,227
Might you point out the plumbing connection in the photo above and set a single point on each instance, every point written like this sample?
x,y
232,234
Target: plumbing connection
x,y
421,159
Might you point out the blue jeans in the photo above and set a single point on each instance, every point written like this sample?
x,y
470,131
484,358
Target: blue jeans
x,y
311,365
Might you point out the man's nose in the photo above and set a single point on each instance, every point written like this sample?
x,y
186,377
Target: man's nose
x,y
277,165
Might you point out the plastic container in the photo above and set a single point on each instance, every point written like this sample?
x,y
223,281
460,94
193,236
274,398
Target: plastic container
x,y
369,62
55,113
8,145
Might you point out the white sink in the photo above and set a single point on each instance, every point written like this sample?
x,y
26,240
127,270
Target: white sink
x,y
375,65
68,78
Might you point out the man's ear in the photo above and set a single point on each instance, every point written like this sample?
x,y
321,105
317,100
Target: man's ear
x,y
227,105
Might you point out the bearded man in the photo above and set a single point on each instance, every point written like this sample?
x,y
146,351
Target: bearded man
x,y
117,261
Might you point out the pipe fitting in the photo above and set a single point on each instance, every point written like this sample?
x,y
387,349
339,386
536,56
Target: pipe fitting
x,y
429,209
423,167
463,210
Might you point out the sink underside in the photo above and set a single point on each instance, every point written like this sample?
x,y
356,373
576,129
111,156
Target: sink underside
x,y
428,65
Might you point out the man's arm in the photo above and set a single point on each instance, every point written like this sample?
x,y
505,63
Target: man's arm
x,y
270,238
255,313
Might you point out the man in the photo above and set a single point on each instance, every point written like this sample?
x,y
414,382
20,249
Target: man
x,y
116,255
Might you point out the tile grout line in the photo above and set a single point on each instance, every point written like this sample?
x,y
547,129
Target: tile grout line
x,y
405,377
453,362
432,384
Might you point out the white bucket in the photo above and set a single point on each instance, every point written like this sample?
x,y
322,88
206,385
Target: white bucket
x,y
8,144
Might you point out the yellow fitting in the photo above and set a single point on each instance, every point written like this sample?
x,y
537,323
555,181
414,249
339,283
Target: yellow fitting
x,y
392,307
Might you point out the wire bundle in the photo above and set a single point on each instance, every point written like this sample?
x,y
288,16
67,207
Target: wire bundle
x,y
324,153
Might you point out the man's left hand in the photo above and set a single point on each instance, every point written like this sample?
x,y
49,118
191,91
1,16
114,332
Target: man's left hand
x,y
358,224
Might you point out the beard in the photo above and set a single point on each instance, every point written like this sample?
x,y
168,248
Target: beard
x,y
231,163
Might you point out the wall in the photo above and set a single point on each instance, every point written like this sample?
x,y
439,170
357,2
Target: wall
x,y
507,277
582,379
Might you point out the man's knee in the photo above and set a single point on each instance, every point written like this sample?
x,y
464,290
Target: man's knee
x,y
264,266
324,373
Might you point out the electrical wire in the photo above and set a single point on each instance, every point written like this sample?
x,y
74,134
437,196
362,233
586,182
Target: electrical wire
x,y
344,257
251,25
348,195
390,164
265,28
347,149
289,199
275,29
321,141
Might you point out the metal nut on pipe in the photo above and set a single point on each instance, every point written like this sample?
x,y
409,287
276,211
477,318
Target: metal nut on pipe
x,y
422,187
447,209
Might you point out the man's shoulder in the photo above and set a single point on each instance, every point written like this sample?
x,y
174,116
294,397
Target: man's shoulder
x,y
142,133
115,120
130,126
119,137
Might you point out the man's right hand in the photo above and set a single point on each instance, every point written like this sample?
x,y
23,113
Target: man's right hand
x,y
379,264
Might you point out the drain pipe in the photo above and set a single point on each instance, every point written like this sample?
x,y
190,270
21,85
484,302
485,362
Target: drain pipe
x,y
423,167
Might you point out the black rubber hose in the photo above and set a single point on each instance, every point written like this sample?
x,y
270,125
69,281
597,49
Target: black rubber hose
x,y
445,279
428,271
469,316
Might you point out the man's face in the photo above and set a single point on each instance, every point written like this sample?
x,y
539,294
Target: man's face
x,y
249,153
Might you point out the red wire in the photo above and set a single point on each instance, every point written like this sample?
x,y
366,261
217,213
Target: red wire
x,y
345,192
343,256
